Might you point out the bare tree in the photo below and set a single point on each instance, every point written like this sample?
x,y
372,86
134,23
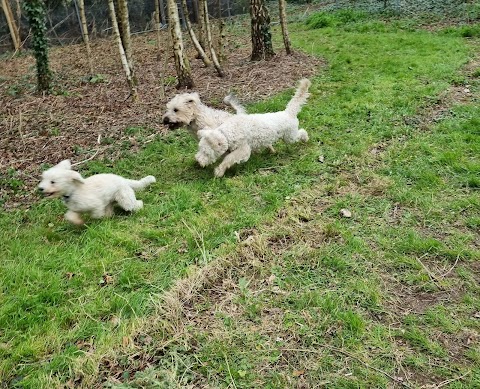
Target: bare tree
x,y
213,55
193,37
181,61
84,28
283,23
125,33
123,56
12,25
262,47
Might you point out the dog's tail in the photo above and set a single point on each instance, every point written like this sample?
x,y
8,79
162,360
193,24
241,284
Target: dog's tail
x,y
301,95
141,184
233,102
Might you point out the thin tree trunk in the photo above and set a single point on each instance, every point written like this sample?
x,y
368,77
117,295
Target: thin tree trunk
x,y
283,23
222,41
86,40
216,63
121,49
12,25
181,61
196,43
201,24
157,29
181,15
163,19
125,32
262,47
36,14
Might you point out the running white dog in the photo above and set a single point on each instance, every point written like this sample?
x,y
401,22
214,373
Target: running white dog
x,y
95,195
242,134
186,109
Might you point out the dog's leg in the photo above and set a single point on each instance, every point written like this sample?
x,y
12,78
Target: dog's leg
x,y
109,210
126,199
272,150
74,217
242,154
295,135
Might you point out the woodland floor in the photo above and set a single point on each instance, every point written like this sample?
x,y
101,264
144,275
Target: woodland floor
x,y
88,115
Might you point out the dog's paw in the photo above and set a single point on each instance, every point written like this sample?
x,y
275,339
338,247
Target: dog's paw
x,y
219,172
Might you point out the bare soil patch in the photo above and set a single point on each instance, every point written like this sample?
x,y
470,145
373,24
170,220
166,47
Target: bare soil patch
x,y
86,117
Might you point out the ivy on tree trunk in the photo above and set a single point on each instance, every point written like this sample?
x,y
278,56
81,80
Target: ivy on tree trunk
x,y
262,47
36,15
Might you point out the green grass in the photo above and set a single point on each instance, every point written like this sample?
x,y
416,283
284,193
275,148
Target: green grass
x,y
319,298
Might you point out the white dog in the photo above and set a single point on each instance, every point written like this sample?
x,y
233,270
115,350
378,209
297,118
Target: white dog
x,y
95,195
242,134
186,109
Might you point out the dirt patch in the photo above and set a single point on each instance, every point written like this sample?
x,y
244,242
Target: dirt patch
x,y
87,117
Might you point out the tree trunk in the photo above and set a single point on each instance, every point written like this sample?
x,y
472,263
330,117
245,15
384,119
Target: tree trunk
x,y
159,47
222,41
216,63
196,43
163,19
262,47
123,56
124,30
181,61
86,40
12,25
36,15
201,24
283,23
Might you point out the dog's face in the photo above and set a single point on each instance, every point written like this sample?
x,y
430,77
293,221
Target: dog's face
x,y
212,146
59,180
181,110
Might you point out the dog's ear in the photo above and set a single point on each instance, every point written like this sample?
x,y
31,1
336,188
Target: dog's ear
x,y
194,98
217,141
65,164
76,177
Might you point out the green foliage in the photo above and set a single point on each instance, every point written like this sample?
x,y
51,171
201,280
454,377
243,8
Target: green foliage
x,y
36,15
465,31
335,19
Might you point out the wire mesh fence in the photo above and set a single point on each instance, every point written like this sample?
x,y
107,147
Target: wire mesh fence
x,y
63,26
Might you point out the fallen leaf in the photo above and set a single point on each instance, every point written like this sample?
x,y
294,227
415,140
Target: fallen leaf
x,y
106,279
321,159
298,373
271,279
345,212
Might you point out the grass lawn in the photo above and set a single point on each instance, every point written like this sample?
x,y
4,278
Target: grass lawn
x,y
299,296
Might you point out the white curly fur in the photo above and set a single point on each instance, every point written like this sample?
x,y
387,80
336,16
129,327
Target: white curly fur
x,y
186,109
242,134
95,195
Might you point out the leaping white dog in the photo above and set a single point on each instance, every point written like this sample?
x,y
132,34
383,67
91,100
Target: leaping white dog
x,y
186,109
242,134
95,195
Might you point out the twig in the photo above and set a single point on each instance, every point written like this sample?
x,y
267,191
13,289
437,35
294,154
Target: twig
x,y
430,274
449,270
86,160
446,382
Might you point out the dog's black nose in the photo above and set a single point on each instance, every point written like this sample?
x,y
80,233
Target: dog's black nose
x,y
166,120
41,189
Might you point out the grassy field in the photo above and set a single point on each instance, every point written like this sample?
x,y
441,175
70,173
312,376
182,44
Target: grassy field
x,y
284,291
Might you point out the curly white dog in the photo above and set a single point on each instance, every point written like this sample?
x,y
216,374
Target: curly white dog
x,y
242,134
186,109
95,195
